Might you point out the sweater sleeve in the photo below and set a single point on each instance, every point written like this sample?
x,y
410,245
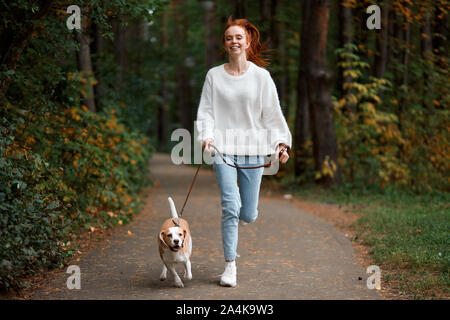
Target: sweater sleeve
x,y
272,116
205,114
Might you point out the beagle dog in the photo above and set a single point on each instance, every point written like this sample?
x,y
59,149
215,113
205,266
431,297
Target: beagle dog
x,y
175,246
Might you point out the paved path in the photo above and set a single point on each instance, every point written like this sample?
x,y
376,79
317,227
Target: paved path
x,y
285,254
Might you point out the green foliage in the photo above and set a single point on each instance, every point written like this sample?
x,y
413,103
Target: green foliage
x,y
424,119
64,169
62,173
369,139
379,146
30,221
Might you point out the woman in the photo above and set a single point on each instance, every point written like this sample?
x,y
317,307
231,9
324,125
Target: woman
x,y
239,112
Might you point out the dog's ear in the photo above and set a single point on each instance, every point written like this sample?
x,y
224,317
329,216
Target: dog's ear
x,y
184,237
161,239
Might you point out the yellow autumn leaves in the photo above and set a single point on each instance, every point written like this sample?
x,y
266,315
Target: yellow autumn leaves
x,y
369,139
91,157
329,168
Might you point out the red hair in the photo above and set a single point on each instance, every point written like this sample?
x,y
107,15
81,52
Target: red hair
x,y
255,49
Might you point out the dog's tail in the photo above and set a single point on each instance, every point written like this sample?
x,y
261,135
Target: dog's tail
x,y
173,210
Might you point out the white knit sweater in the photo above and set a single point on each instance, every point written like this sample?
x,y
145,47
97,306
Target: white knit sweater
x,y
242,114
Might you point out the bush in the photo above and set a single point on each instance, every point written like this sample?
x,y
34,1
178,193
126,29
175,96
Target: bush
x,y
375,147
62,173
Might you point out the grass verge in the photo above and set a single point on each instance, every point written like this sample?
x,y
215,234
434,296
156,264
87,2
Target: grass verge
x,y
408,235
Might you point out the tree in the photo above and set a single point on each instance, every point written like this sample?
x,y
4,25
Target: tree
x,y
319,93
240,9
98,47
120,37
185,109
210,37
427,54
302,128
21,34
382,41
84,60
440,43
164,106
345,37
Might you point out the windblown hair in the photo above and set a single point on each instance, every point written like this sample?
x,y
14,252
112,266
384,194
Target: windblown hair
x,y
256,49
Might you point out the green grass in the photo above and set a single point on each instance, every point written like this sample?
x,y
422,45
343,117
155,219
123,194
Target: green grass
x,y
409,234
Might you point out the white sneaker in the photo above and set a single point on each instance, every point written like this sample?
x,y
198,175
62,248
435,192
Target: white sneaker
x,y
228,278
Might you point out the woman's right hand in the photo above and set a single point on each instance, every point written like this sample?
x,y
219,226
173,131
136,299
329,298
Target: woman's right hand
x,y
207,145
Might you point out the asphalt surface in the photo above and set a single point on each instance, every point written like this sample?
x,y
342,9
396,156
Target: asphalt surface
x,y
285,254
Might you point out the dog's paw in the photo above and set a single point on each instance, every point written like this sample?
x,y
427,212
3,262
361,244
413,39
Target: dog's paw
x,y
188,276
163,275
179,284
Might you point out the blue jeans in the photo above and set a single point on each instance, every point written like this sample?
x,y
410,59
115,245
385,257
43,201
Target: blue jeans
x,y
238,202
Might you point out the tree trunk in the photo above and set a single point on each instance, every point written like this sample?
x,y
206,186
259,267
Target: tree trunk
x,y
345,38
361,31
302,126
264,12
382,43
164,107
120,45
319,93
397,48
240,9
184,89
391,37
427,53
84,61
97,49
276,43
283,76
401,79
211,44
273,27
426,38
440,43
406,53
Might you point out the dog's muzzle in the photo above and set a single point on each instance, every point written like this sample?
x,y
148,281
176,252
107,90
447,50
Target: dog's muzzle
x,y
177,246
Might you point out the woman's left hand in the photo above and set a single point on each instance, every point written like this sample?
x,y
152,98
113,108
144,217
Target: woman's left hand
x,y
284,156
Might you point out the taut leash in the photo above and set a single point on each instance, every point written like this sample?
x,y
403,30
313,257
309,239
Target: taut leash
x,y
255,167
177,223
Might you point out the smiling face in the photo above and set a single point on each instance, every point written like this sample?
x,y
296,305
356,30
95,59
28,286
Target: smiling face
x,y
173,237
236,41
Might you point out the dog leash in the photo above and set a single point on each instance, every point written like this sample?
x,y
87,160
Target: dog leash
x,y
255,167
177,223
